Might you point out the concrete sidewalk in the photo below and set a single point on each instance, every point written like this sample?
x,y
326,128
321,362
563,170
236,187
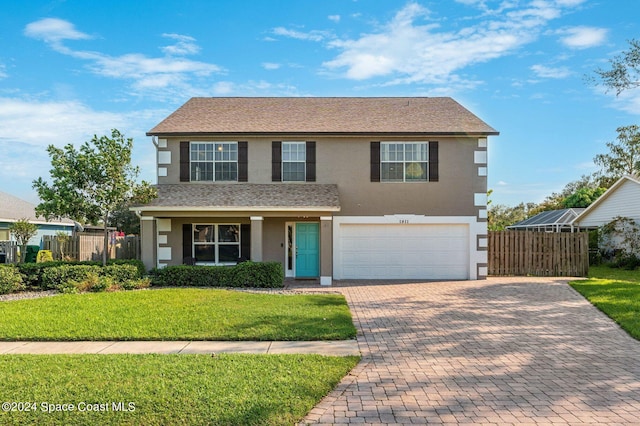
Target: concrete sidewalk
x,y
338,348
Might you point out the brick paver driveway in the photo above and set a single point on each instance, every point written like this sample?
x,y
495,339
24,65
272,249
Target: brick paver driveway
x,y
500,351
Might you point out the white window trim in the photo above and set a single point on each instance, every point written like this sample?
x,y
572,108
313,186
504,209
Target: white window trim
x,y
215,243
404,176
214,161
283,161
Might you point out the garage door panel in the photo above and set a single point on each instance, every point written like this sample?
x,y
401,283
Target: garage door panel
x,y
400,251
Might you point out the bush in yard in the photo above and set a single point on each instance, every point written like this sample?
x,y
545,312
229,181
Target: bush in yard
x,y
142,271
257,274
245,274
44,256
59,277
10,279
32,272
121,273
138,284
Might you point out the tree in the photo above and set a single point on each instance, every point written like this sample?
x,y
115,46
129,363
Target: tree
x,y
501,216
62,238
625,70
583,197
22,230
125,220
623,157
88,184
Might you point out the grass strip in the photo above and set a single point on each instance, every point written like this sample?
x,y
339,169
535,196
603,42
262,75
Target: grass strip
x,y
616,292
165,389
177,314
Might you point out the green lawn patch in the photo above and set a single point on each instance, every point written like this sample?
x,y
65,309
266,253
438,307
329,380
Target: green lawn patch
x,y
177,314
166,389
616,292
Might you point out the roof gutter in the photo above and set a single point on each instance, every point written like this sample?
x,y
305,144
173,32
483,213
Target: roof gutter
x,y
289,133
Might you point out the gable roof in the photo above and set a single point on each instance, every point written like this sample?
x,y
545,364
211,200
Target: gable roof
x,y
407,115
634,180
13,209
550,218
246,196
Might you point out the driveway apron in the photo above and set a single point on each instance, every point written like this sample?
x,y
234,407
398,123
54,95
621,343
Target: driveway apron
x,y
500,351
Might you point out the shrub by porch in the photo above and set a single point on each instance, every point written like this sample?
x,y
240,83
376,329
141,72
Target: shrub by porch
x,y
245,274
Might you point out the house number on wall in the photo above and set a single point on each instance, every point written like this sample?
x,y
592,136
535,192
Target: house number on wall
x,y
404,221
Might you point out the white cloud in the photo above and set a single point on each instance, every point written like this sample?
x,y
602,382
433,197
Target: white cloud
x,y
148,74
53,30
3,73
412,48
549,72
628,101
270,65
41,123
185,45
223,88
334,18
583,37
310,36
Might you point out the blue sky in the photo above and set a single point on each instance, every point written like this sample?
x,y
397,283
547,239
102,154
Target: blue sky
x,y
71,69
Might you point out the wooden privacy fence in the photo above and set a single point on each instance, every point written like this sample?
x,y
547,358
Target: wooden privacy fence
x,y
8,252
90,247
542,254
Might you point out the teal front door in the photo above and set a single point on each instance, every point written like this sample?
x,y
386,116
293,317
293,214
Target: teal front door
x,y
307,249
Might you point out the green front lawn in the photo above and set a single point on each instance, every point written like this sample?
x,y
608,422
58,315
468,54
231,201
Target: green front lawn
x,y
177,314
616,292
165,389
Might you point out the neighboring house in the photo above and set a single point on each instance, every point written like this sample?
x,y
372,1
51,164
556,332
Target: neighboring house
x,y
549,221
13,209
621,199
333,188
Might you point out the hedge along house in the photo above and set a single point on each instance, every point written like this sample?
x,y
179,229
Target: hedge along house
x,y
333,188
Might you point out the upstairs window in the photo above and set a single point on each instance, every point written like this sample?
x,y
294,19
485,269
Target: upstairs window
x,y
214,161
294,158
404,161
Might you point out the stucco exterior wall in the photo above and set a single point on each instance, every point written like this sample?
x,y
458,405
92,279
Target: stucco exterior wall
x,y
345,161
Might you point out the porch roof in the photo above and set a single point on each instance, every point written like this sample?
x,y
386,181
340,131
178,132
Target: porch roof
x,y
245,197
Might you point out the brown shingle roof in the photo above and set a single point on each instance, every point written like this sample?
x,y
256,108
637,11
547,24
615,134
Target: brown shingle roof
x,y
322,115
246,196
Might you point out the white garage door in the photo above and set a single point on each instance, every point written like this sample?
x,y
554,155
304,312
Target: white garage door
x,y
400,251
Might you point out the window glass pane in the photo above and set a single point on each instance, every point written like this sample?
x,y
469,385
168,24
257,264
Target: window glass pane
x,y
204,233
226,171
415,171
391,172
384,153
205,253
228,233
293,172
228,253
201,171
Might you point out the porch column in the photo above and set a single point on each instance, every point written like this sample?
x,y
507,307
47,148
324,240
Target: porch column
x,y
256,238
148,242
326,250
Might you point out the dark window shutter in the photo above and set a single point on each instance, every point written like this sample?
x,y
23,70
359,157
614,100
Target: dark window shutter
x,y
243,162
375,161
433,162
276,161
311,161
245,241
184,162
187,236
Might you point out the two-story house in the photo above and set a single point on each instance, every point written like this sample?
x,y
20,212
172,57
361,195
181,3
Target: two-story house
x,y
333,188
